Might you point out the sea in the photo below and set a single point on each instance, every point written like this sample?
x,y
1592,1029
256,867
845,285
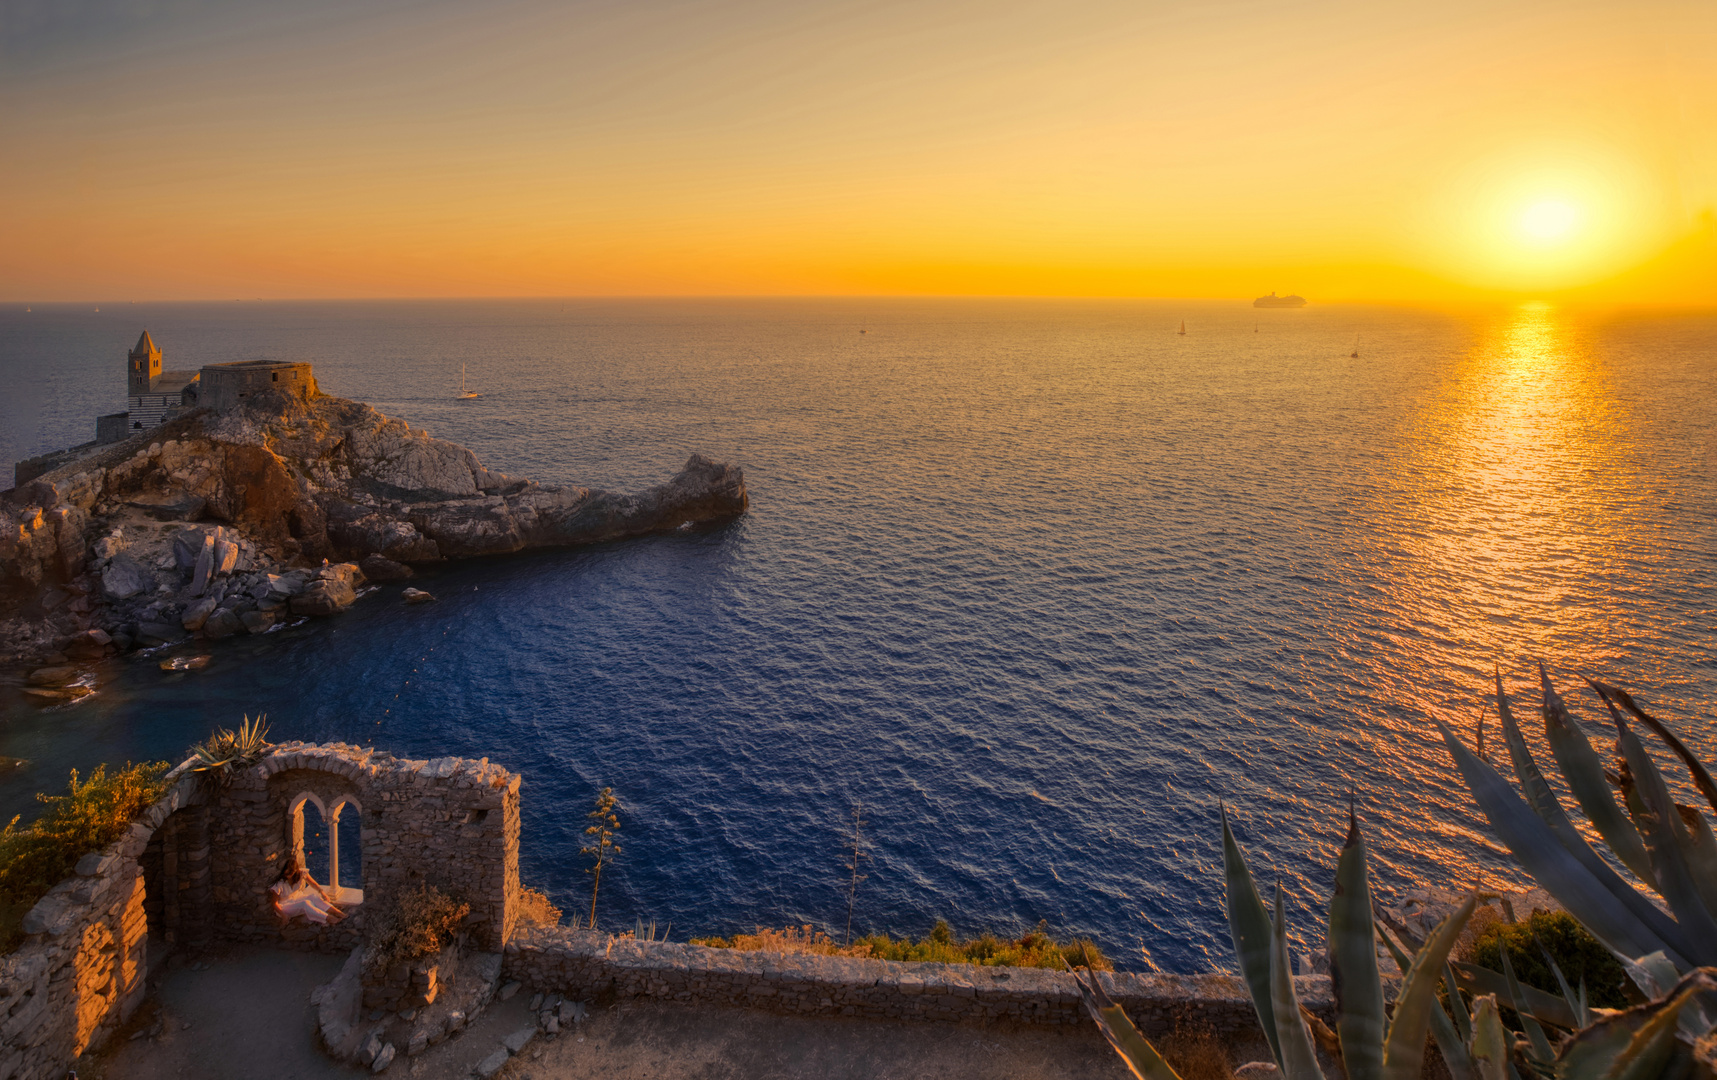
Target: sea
x,y
1035,588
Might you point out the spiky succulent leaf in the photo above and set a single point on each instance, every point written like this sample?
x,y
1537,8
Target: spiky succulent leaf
x,y
1299,1059
1700,847
1249,924
1576,1003
1490,1040
1588,899
1541,1050
1636,1043
1353,962
1404,1050
1584,772
1549,1008
1660,827
1701,778
1134,1049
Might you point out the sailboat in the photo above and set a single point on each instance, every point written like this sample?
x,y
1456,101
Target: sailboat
x,y
1355,354
465,394
1183,328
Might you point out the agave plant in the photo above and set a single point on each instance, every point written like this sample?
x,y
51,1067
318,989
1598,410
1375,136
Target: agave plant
x,y
219,754
1371,1043
1667,847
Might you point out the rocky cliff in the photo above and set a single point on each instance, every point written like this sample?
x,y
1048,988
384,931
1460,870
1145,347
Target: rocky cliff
x,y
259,506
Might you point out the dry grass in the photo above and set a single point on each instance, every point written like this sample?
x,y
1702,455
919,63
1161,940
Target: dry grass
x,y
1197,1055
793,939
535,909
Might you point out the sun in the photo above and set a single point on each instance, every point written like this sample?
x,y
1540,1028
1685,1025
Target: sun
x,y
1550,221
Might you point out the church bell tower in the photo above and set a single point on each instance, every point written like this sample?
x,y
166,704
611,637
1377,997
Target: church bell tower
x,y
142,366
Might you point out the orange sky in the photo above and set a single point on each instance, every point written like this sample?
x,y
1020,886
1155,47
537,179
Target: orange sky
x,y
1343,150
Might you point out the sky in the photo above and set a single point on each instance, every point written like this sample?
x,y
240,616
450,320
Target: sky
x,y
183,149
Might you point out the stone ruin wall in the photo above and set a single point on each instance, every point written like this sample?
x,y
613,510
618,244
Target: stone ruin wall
x,y
581,964
195,869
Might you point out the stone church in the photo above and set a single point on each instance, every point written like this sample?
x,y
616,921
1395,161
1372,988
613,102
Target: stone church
x,y
150,394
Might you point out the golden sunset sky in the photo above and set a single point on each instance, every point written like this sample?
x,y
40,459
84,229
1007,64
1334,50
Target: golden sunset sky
x,y
178,149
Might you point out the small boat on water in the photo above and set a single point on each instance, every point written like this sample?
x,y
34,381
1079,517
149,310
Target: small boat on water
x,y
1183,328
464,394
1290,301
1355,353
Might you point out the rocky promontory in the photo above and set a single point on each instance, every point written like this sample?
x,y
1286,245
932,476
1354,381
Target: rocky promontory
x,y
220,523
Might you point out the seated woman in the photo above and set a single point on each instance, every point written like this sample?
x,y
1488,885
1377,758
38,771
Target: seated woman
x,y
296,893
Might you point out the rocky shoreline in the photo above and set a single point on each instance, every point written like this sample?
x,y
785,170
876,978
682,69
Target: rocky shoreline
x,y
217,524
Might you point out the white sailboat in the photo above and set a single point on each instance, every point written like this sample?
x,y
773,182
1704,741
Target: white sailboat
x,y
465,394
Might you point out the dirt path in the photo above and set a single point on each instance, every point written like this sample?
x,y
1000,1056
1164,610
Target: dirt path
x,y
245,1014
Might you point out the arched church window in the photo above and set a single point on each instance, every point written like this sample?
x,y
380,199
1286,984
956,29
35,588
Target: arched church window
x,y
327,842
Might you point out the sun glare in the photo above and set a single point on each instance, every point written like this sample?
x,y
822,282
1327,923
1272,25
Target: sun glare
x,y
1550,220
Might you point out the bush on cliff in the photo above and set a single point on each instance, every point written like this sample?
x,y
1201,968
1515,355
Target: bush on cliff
x,y
91,814
535,909
419,923
1035,949
1581,956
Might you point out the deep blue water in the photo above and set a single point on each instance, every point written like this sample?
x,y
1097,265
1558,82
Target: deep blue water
x,y
1036,582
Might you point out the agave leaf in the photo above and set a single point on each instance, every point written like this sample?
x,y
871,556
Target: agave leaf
x,y
1404,1050
1457,1004
1634,1043
1543,802
1700,847
1701,778
1353,962
1490,1040
1549,1008
1584,771
1661,825
1612,920
1528,1023
1249,924
1299,1060
1576,1005
1134,1049
1656,978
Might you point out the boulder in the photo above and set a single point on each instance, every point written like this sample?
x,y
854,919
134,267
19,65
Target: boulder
x,y
285,586
198,613
259,621
186,544
416,596
324,598
379,568
125,577
225,556
221,624
88,645
150,634
109,546
205,568
53,676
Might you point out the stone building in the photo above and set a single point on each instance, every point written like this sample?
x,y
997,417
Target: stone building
x,y
152,395
155,396
221,386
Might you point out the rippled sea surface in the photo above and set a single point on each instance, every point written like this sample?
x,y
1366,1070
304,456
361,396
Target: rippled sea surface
x,y
1036,583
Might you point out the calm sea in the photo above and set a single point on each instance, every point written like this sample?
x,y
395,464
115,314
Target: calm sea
x,y
1036,583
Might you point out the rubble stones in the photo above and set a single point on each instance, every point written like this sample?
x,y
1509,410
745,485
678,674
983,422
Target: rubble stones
x,y
223,623
125,577
198,613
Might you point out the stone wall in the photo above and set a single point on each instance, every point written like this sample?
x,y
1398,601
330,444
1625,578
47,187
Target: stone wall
x,y
581,964
222,386
81,969
197,867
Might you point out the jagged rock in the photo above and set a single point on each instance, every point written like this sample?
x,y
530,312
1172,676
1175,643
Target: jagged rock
x,y
324,598
198,613
286,586
125,577
221,624
88,645
205,568
109,546
416,596
226,556
259,621
492,1064
156,633
380,568
383,1059
53,676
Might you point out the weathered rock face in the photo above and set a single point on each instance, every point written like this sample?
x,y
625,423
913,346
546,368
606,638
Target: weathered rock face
x,y
297,482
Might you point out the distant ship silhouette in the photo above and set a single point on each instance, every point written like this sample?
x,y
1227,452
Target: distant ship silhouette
x,y
1279,301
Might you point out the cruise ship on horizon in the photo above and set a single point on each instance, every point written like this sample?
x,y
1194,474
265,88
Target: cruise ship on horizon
x,y
1279,301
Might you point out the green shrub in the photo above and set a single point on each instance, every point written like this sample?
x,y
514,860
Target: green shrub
x,y
419,923
91,815
1576,951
